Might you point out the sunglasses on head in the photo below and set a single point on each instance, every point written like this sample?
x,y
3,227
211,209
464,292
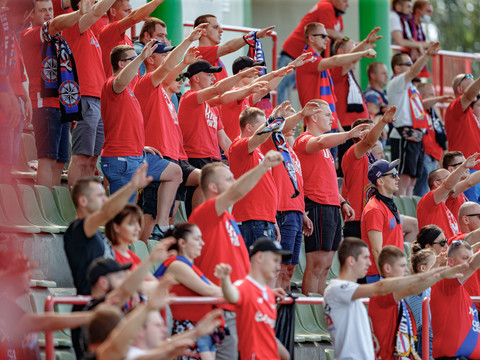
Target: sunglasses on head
x,y
394,174
467,76
181,77
454,244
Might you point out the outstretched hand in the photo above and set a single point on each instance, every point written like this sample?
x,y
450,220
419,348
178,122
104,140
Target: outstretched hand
x,y
192,55
264,32
302,59
357,131
140,179
311,108
389,115
433,48
160,252
198,32
281,110
148,49
471,161
373,36
222,271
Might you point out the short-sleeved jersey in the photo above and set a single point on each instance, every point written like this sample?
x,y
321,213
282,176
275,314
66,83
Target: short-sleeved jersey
x,y
209,53
453,204
88,60
231,114
256,315
342,87
314,84
283,183
377,216
454,335
162,130
200,124
31,42
110,36
223,243
319,175
261,202
132,258
347,321
463,129
323,12
122,121
355,184
383,312
430,213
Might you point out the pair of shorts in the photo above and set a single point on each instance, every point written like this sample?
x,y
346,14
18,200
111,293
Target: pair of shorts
x,y
187,169
327,227
252,230
290,224
88,137
204,343
410,154
51,136
352,229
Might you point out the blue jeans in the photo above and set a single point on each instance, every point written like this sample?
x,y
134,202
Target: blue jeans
x,y
252,230
473,194
288,82
291,227
119,170
421,185
205,343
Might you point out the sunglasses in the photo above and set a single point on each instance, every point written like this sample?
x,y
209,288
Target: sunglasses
x,y
130,58
442,243
454,244
181,77
394,175
457,164
406,64
473,215
323,36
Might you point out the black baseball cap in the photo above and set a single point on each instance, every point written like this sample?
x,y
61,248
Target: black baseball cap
x,y
264,244
202,66
101,267
163,48
243,62
380,167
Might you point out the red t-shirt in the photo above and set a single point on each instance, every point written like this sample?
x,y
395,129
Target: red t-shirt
x,y
323,12
342,87
453,204
319,175
284,185
122,121
312,84
31,43
200,124
109,37
463,129
383,313
160,118
58,8
209,53
256,315
455,322
99,25
231,114
355,184
261,202
377,216
223,243
430,213
131,259
17,73
88,59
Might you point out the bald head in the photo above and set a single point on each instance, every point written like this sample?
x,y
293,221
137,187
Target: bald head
x,y
437,177
469,216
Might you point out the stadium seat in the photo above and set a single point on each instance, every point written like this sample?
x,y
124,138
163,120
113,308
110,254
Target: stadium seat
x,y
297,277
29,204
416,199
150,246
140,249
12,211
28,152
47,205
181,215
334,268
310,322
64,203
399,204
409,206
303,314
329,354
319,316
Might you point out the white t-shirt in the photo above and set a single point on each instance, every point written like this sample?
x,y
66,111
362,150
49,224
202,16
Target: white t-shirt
x,y
347,322
396,25
134,353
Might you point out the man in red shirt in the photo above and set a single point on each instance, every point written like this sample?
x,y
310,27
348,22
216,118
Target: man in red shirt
x,y
220,232
124,148
87,136
431,208
322,199
51,136
209,43
254,300
380,222
461,124
120,19
327,12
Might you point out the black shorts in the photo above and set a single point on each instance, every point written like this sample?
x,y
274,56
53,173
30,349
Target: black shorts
x,y
410,154
187,169
327,228
352,229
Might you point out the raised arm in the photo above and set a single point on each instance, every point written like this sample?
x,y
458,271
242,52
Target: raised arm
x,y
291,122
31,323
443,191
246,182
116,202
138,15
471,180
345,59
369,41
327,141
237,43
398,39
421,61
470,94
429,102
239,94
62,22
93,16
364,145
190,57
230,293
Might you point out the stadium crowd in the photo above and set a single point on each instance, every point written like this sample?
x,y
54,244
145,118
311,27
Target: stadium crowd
x,y
253,186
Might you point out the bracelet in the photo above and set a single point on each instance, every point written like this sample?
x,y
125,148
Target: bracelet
x,y
344,202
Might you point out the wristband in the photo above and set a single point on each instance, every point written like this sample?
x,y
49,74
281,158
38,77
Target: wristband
x,y
344,202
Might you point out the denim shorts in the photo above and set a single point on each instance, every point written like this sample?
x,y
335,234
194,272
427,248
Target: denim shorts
x,y
87,137
119,170
252,230
290,224
51,136
206,343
